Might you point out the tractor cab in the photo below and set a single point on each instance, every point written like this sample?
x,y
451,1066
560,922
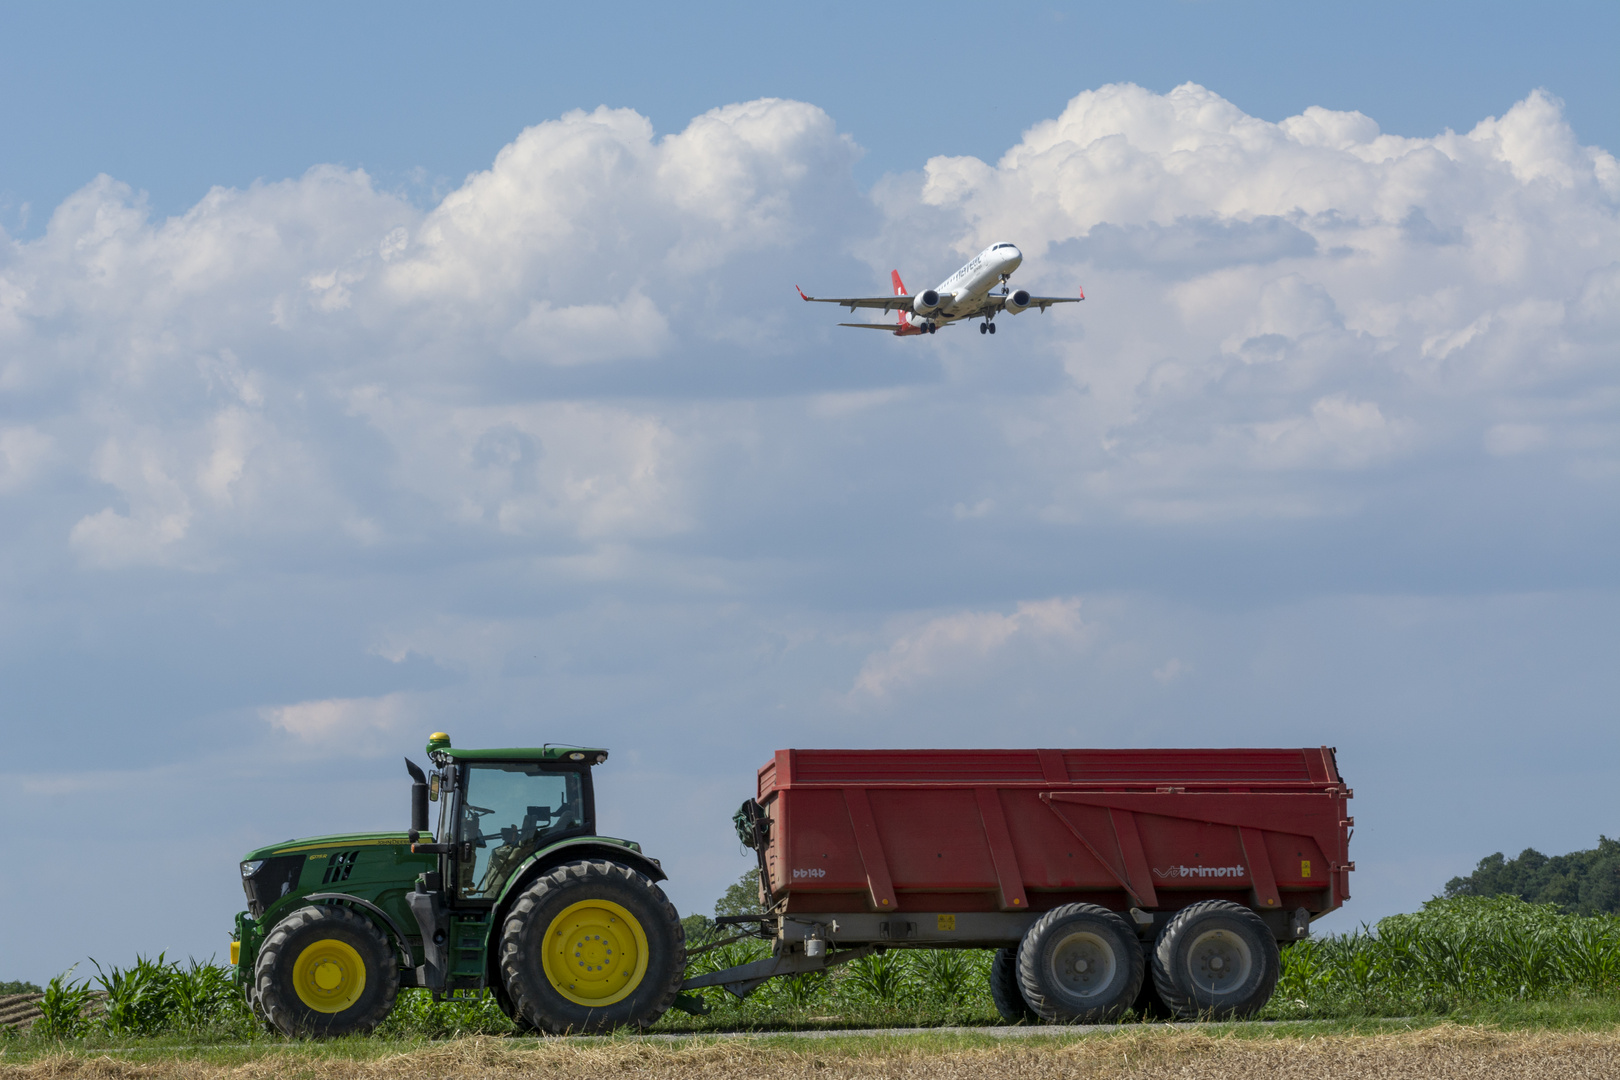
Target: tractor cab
x,y
499,807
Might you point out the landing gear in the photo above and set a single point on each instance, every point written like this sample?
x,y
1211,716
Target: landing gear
x,y
987,327
992,328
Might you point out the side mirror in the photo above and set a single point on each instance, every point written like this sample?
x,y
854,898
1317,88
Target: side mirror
x,y
433,788
419,800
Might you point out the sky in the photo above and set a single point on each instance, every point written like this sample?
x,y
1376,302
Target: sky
x,y
390,369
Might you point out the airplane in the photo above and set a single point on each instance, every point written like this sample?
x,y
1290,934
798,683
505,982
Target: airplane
x,y
964,295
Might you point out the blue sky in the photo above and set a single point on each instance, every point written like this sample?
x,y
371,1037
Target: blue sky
x,y
374,372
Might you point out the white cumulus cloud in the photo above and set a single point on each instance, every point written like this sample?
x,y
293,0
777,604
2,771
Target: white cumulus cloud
x,y
956,643
355,721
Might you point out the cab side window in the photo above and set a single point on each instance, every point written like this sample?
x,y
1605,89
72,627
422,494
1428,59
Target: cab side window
x,y
508,812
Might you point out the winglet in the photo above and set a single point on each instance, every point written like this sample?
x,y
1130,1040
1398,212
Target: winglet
x,y
1082,294
801,293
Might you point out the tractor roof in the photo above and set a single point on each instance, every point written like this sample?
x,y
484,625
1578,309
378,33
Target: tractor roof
x,y
590,754
439,747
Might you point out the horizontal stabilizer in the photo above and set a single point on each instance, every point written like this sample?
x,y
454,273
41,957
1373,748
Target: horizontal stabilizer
x,y
890,327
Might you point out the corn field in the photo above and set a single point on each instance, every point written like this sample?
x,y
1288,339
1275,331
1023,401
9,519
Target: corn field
x,y
1455,953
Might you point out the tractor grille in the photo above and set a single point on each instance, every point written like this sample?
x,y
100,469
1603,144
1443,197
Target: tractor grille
x,y
339,866
275,879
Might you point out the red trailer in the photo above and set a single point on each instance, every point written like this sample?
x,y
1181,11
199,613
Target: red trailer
x,y
1095,873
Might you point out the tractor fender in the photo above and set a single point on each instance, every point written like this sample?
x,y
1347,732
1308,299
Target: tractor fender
x,y
580,847
376,912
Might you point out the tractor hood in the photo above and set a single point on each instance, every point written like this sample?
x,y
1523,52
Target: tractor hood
x,y
317,843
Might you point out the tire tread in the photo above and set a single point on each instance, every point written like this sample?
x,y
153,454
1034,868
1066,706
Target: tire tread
x,y
1004,990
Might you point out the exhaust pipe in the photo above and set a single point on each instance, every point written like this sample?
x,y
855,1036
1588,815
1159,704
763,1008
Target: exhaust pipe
x,y
419,800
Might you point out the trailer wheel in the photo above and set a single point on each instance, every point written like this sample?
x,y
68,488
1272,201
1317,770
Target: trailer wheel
x,y
1080,963
1004,991
1215,959
1148,1004
589,947
325,971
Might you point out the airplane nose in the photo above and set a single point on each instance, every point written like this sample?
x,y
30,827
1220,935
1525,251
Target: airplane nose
x,y
1011,257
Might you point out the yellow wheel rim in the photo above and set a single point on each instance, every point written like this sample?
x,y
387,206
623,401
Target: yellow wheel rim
x,y
329,975
595,953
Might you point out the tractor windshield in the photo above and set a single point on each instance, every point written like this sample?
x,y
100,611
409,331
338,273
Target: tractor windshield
x,y
509,811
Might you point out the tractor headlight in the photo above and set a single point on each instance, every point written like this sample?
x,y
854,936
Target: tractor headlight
x,y
251,868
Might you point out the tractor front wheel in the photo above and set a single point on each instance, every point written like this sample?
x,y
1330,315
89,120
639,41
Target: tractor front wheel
x,y
589,947
325,971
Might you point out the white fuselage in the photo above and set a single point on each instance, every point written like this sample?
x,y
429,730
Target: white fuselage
x,y
969,285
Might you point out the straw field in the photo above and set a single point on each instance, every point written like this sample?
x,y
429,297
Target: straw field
x,y
1443,1051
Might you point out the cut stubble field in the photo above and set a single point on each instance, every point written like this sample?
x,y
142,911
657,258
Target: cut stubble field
x,y
1441,1050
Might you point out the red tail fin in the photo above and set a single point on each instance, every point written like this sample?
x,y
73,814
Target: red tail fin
x,y
900,290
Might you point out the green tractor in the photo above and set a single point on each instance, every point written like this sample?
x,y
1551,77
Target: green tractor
x,y
514,894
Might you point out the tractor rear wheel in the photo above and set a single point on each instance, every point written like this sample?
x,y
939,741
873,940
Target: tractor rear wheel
x,y
1004,991
589,947
325,971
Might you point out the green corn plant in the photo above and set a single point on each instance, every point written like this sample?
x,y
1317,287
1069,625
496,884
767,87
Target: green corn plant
x,y
140,1000
63,1006
946,975
878,978
417,1015
800,991
202,994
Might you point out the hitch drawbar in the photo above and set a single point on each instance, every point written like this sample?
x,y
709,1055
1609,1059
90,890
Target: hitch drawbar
x,y
744,979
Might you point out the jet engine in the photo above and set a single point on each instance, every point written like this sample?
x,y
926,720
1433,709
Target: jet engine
x,y
1017,302
926,302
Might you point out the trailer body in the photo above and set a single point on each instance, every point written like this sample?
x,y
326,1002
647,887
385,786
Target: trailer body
x,y
968,847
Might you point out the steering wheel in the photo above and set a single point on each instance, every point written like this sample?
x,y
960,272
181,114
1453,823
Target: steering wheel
x,y
479,810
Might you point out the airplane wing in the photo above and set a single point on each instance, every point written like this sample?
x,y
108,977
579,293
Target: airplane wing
x,y
995,302
882,303
893,328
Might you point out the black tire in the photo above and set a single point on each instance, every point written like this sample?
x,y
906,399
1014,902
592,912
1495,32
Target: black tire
x,y
1149,1006
591,891
256,1010
293,995
1004,990
1215,960
504,1003
1080,964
